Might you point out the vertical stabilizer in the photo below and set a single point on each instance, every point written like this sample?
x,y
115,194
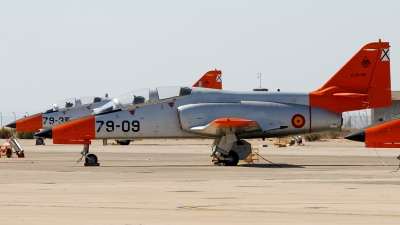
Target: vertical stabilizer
x,y
212,79
363,82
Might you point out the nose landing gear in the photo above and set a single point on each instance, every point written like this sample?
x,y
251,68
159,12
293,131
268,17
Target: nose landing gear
x,y
90,159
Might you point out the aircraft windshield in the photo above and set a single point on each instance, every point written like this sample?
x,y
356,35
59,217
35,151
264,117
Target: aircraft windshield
x,y
170,92
132,98
72,102
66,103
141,96
53,109
110,106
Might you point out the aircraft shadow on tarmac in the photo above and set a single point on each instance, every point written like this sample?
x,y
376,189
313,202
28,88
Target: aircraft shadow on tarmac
x,y
259,165
269,165
239,165
304,166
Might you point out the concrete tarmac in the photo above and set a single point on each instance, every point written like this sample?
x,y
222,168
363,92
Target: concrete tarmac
x,y
174,182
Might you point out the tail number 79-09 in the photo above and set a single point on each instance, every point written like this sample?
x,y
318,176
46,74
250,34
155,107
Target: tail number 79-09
x,y
125,126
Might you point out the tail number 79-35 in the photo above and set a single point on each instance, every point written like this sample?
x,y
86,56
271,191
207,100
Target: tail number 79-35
x,y
125,126
52,120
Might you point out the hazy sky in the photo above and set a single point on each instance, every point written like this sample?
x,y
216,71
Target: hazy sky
x,y
53,50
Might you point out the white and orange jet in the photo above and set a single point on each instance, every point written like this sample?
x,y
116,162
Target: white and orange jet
x,y
60,112
384,134
228,117
74,108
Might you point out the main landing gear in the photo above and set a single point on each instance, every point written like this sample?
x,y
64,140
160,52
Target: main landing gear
x,y
90,159
123,142
228,150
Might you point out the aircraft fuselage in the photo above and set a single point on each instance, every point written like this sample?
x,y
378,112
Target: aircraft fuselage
x,y
173,117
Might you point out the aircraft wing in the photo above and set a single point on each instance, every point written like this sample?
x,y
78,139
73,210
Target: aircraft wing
x,y
235,126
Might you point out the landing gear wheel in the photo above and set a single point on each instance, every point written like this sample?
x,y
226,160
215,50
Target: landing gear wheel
x,y
8,153
39,141
235,160
90,159
124,142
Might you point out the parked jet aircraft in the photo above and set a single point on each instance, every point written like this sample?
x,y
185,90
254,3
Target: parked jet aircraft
x,y
60,112
228,117
74,108
384,134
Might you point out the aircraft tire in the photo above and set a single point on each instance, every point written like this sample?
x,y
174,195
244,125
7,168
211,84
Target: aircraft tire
x,y
235,159
39,141
91,158
8,153
124,142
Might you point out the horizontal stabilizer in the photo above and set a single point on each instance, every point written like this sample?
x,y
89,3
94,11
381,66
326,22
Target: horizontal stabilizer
x,y
350,95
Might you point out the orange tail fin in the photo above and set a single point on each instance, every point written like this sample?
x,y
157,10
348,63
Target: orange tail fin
x,y
363,82
212,79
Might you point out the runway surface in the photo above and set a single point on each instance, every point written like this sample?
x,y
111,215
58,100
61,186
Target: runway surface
x,y
174,182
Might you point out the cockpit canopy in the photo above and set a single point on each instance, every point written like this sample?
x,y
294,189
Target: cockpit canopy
x,y
73,102
133,98
170,92
143,96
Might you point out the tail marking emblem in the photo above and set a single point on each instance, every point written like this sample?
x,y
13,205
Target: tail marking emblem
x,y
365,63
385,55
219,79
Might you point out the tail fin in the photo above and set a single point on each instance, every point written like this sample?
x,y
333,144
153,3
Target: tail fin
x,y
212,79
363,82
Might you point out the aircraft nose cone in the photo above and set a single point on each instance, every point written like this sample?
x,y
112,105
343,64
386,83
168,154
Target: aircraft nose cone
x,y
357,136
48,133
12,125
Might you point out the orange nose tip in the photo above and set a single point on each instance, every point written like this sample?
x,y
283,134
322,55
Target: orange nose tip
x,y
83,129
30,124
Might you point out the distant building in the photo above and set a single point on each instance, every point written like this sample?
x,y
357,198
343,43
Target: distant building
x,y
387,112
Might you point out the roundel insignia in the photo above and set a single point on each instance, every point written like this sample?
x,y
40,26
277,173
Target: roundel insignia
x,y
298,121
